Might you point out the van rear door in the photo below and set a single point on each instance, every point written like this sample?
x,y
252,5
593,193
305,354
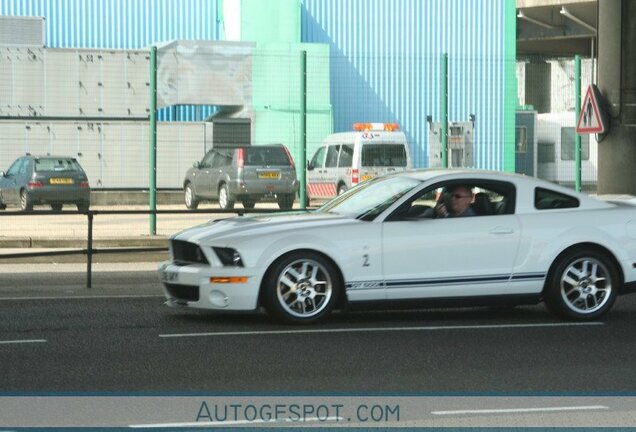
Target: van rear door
x,y
379,158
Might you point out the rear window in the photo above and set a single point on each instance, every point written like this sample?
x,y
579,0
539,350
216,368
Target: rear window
x,y
56,165
259,156
545,199
383,155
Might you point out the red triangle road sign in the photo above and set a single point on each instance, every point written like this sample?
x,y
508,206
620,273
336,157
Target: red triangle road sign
x,y
591,120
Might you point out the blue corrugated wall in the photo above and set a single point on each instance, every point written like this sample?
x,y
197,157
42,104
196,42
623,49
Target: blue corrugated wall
x,y
385,65
129,24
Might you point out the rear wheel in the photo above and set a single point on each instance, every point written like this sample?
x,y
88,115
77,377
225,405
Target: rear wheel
x,y
286,201
82,206
225,199
248,204
302,288
189,197
26,204
56,207
582,285
342,189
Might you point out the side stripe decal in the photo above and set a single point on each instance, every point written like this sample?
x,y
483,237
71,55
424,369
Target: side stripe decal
x,y
416,283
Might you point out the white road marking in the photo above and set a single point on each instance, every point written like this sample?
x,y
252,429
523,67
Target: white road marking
x,y
231,423
379,329
521,410
24,341
82,297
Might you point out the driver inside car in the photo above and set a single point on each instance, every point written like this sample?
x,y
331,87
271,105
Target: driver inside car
x,y
455,203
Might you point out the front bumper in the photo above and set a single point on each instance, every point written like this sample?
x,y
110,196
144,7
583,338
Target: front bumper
x,y
190,286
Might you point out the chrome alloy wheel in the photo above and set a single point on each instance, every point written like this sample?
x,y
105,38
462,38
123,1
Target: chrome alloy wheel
x,y
223,198
586,285
304,288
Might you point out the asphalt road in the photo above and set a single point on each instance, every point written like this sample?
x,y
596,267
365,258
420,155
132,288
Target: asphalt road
x,y
119,337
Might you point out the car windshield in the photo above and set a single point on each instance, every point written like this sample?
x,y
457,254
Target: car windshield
x,y
56,164
370,198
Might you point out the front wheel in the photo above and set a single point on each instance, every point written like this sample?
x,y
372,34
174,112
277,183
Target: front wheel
x,y
189,197
582,285
302,288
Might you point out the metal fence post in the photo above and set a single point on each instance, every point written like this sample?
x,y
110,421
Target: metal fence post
x,y
302,162
89,251
444,109
577,111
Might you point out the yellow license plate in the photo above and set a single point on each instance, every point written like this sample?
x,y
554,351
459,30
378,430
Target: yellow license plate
x,y
367,177
63,181
269,175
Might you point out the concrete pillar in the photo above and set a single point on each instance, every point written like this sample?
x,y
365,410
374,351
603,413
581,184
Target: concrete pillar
x,y
617,82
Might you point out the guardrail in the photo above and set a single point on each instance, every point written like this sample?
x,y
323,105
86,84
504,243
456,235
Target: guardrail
x,y
89,251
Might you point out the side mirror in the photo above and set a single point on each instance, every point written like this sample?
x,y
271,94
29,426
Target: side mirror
x,y
197,165
310,166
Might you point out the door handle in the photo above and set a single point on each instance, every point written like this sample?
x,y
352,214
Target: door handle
x,y
502,230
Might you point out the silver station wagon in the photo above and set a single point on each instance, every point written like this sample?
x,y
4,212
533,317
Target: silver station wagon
x,y
246,174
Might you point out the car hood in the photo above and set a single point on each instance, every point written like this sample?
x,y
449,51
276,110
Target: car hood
x,y
222,231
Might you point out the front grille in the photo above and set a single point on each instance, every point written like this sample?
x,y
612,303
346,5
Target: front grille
x,y
183,292
187,253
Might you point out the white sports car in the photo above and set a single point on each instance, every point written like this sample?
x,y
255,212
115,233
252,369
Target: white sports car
x,y
385,241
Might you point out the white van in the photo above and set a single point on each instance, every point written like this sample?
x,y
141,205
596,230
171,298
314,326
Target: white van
x,y
345,159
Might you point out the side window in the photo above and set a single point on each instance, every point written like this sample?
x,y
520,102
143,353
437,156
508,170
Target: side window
x,y
14,169
482,198
568,145
319,158
207,160
545,199
332,156
545,152
220,159
346,156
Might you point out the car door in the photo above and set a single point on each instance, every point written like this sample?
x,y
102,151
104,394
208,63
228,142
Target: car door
x,y
219,167
11,182
449,257
203,176
316,174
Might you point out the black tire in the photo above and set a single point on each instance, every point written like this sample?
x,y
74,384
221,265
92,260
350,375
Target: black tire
x,y
226,201
26,203
248,204
582,285
310,299
342,189
286,201
3,206
82,206
189,197
56,207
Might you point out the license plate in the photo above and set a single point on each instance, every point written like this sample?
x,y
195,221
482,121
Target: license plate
x,y
269,175
366,177
64,181
168,276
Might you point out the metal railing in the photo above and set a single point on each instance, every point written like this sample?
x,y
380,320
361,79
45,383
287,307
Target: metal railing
x,y
89,251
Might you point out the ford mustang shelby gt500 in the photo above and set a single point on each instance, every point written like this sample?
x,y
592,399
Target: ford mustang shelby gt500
x,y
385,241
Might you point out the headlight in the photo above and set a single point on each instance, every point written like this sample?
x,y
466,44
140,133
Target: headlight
x,y
229,257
